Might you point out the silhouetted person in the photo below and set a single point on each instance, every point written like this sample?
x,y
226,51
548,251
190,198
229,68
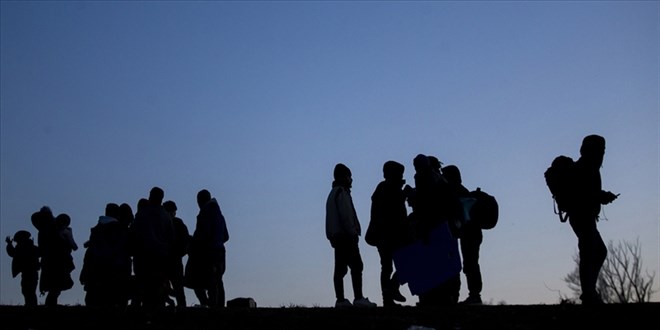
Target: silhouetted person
x,y
181,242
426,195
584,215
55,250
25,261
106,270
388,228
470,239
206,257
433,204
449,207
126,216
154,246
63,227
342,229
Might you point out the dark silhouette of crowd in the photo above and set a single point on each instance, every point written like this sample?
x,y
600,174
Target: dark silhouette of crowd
x,y
130,259
137,259
438,198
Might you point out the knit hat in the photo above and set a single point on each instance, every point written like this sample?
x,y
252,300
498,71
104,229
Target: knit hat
x,y
341,171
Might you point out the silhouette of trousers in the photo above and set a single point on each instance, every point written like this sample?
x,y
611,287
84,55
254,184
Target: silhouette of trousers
x,y
176,279
470,244
29,289
593,252
347,255
52,296
388,282
214,294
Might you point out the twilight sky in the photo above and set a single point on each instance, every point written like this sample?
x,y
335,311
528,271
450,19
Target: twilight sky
x,y
257,101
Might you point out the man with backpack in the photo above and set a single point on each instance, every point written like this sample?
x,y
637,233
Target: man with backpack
x,y
583,214
470,240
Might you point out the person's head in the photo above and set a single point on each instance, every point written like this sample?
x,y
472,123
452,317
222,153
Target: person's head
x,y
156,196
170,208
593,149
22,237
112,210
142,204
434,163
62,221
452,174
126,214
342,175
46,211
203,197
421,163
393,170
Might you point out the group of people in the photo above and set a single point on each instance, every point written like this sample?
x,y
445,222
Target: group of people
x,y
136,259
139,258
435,199
438,198
52,257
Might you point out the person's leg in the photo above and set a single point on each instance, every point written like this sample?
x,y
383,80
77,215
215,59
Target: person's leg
x,y
356,266
341,269
201,296
596,255
52,296
386,270
29,289
217,292
177,284
592,252
470,244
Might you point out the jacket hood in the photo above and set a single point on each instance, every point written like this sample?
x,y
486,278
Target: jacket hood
x,y
104,220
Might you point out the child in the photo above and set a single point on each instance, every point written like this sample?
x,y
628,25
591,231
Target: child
x,y
25,261
62,225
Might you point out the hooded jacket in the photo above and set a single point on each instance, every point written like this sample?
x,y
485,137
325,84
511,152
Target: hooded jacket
x,y
341,220
211,229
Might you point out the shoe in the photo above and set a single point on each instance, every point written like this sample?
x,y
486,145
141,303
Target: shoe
x,y
363,302
397,296
472,300
390,303
343,303
591,299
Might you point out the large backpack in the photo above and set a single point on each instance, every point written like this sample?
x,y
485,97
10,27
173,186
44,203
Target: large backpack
x,y
559,178
485,210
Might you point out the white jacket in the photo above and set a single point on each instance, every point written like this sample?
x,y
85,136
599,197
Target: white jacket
x,y
340,216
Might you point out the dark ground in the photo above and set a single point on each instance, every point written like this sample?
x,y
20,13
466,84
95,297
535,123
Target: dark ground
x,y
615,316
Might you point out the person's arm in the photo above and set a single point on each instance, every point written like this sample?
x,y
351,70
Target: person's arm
x,y
607,197
69,237
10,247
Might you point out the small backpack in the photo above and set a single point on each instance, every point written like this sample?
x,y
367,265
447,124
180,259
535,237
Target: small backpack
x,y
559,178
485,210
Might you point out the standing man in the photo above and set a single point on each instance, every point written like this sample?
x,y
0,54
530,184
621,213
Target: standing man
x,y
206,258
388,228
181,241
154,246
342,229
584,215
470,239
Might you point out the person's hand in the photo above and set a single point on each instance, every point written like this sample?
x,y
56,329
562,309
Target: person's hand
x,y
609,197
8,240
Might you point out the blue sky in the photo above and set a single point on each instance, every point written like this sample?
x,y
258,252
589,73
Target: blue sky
x,y
257,101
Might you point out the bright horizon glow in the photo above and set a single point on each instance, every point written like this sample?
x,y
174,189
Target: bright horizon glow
x,y
257,101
